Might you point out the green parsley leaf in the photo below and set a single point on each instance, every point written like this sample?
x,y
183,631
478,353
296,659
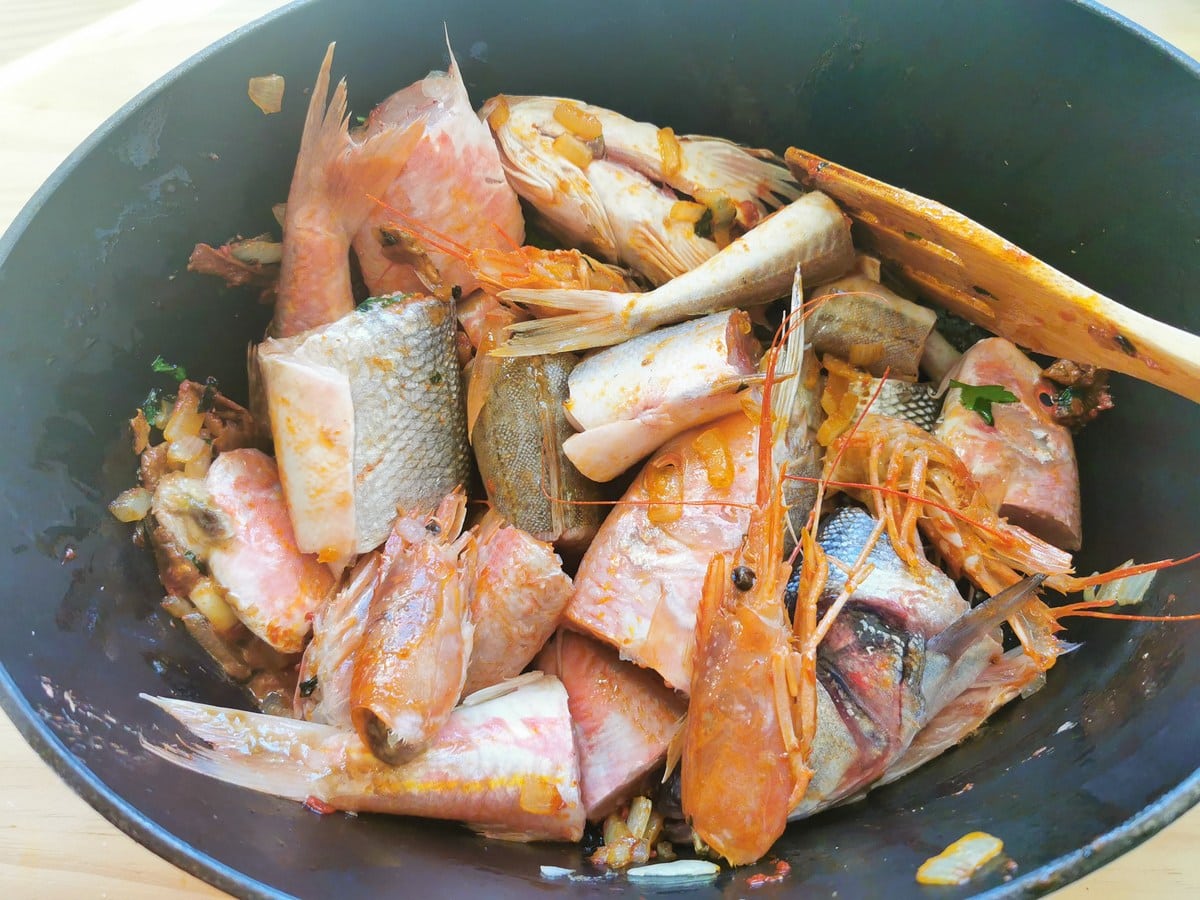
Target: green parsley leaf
x,y
157,406
704,225
980,397
161,365
383,302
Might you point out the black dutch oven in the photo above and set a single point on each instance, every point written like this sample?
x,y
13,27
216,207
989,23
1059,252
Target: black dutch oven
x,y
1054,123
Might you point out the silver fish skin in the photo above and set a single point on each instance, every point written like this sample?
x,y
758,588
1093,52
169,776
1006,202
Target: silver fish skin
x,y
518,440
914,401
758,267
368,416
879,683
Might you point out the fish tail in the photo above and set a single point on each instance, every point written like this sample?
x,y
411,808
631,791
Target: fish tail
x,y
335,172
592,319
271,754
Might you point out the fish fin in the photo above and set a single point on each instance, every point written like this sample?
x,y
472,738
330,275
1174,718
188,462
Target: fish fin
x,y
976,623
664,254
758,176
274,755
596,319
337,172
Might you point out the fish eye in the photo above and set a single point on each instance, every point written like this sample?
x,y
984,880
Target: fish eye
x,y
433,527
743,578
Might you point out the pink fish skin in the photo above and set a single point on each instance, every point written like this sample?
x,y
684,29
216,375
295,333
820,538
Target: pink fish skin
x,y
639,583
504,764
623,716
1025,462
271,585
453,185
520,593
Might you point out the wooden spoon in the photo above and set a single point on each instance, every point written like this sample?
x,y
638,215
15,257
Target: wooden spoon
x,y
983,278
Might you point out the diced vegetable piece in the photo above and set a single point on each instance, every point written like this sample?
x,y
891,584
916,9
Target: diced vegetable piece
x,y
962,859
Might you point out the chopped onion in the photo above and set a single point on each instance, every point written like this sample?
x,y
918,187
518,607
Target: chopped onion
x,y
257,251
639,816
131,505
679,870
210,600
185,420
962,859
579,122
686,211
266,92
1126,591
670,154
186,448
573,150
556,872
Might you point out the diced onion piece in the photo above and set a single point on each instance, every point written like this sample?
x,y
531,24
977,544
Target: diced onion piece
x,y
724,213
573,150
639,816
198,467
185,420
186,448
1126,591
679,870
962,859
498,117
266,92
131,505
686,211
556,872
207,597
257,251
670,153
615,828
664,850
664,489
578,121
713,451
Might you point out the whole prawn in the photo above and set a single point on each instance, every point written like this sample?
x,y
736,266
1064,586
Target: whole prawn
x,y
749,718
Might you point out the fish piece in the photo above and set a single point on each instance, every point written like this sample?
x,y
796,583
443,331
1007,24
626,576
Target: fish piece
x,y
271,585
648,240
862,322
640,580
518,430
453,181
904,648
872,664
367,416
411,664
1002,681
758,267
978,275
530,132
630,399
504,764
234,521
623,716
327,667
328,201
1025,461
519,596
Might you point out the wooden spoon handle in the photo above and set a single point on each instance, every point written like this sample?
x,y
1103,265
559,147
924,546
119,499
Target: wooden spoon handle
x,y
978,275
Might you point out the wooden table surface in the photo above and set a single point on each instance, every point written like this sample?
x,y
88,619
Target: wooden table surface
x,y
52,844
